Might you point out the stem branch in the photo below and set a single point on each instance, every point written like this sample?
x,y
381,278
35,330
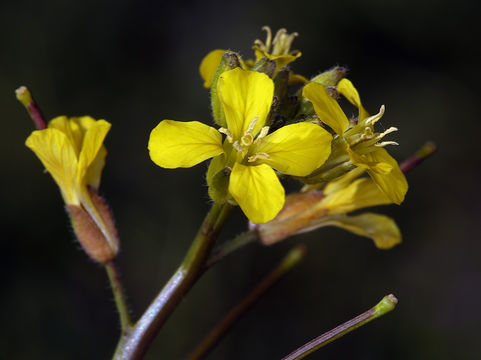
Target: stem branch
x,y
384,306
220,329
231,246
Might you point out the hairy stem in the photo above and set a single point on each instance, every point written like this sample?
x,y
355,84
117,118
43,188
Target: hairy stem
x,y
119,295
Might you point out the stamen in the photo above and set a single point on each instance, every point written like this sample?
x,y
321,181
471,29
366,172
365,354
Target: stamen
x,y
238,146
385,143
262,134
373,119
252,125
379,136
227,133
260,155
259,43
280,33
268,44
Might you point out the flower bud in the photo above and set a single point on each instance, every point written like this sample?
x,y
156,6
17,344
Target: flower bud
x,y
331,77
229,61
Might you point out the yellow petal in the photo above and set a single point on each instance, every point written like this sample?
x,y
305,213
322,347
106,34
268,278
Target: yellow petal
x,y
246,95
359,194
91,144
369,162
295,79
257,190
94,172
326,107
73,133
174,144
296,149
393,184
346,88
381,229
208,66
56,153
281,60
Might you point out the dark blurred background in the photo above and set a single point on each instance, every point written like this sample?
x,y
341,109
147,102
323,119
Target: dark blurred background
x,y
135,63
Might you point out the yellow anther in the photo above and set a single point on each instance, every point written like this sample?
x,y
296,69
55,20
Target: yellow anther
x,y
227,133
282,42
262,134
258,156
237,146
252,125
373,119
385,143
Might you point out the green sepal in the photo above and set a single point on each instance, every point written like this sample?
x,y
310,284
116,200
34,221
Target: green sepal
x,y
229,61
266,66
330,77
219,186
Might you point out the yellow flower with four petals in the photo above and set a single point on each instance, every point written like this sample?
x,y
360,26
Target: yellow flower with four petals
x,y
361,143
248,151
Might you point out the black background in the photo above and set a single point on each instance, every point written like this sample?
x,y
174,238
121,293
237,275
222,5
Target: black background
x,y
135,63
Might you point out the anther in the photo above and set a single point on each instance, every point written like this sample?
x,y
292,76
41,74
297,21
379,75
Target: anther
x,y
373,119
227,133
257,156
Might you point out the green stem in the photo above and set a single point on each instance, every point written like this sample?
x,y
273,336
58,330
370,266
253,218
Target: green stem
x,y
215,335
231,246
387,304
119,295
135,342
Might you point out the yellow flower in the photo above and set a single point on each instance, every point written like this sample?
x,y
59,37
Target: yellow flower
x,y
248,151
72,151
313,209
277,50
360,143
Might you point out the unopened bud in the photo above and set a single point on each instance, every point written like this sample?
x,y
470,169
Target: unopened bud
x,y
229,61
298,212
330,77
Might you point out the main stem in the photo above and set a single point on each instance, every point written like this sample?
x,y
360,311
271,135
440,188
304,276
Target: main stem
x,y
135,342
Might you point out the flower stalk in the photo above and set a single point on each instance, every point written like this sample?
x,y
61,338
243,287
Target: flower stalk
x,y
136,340
387,304
119,295
292,258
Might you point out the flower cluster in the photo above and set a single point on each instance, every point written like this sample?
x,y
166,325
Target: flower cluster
x,y
267,131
